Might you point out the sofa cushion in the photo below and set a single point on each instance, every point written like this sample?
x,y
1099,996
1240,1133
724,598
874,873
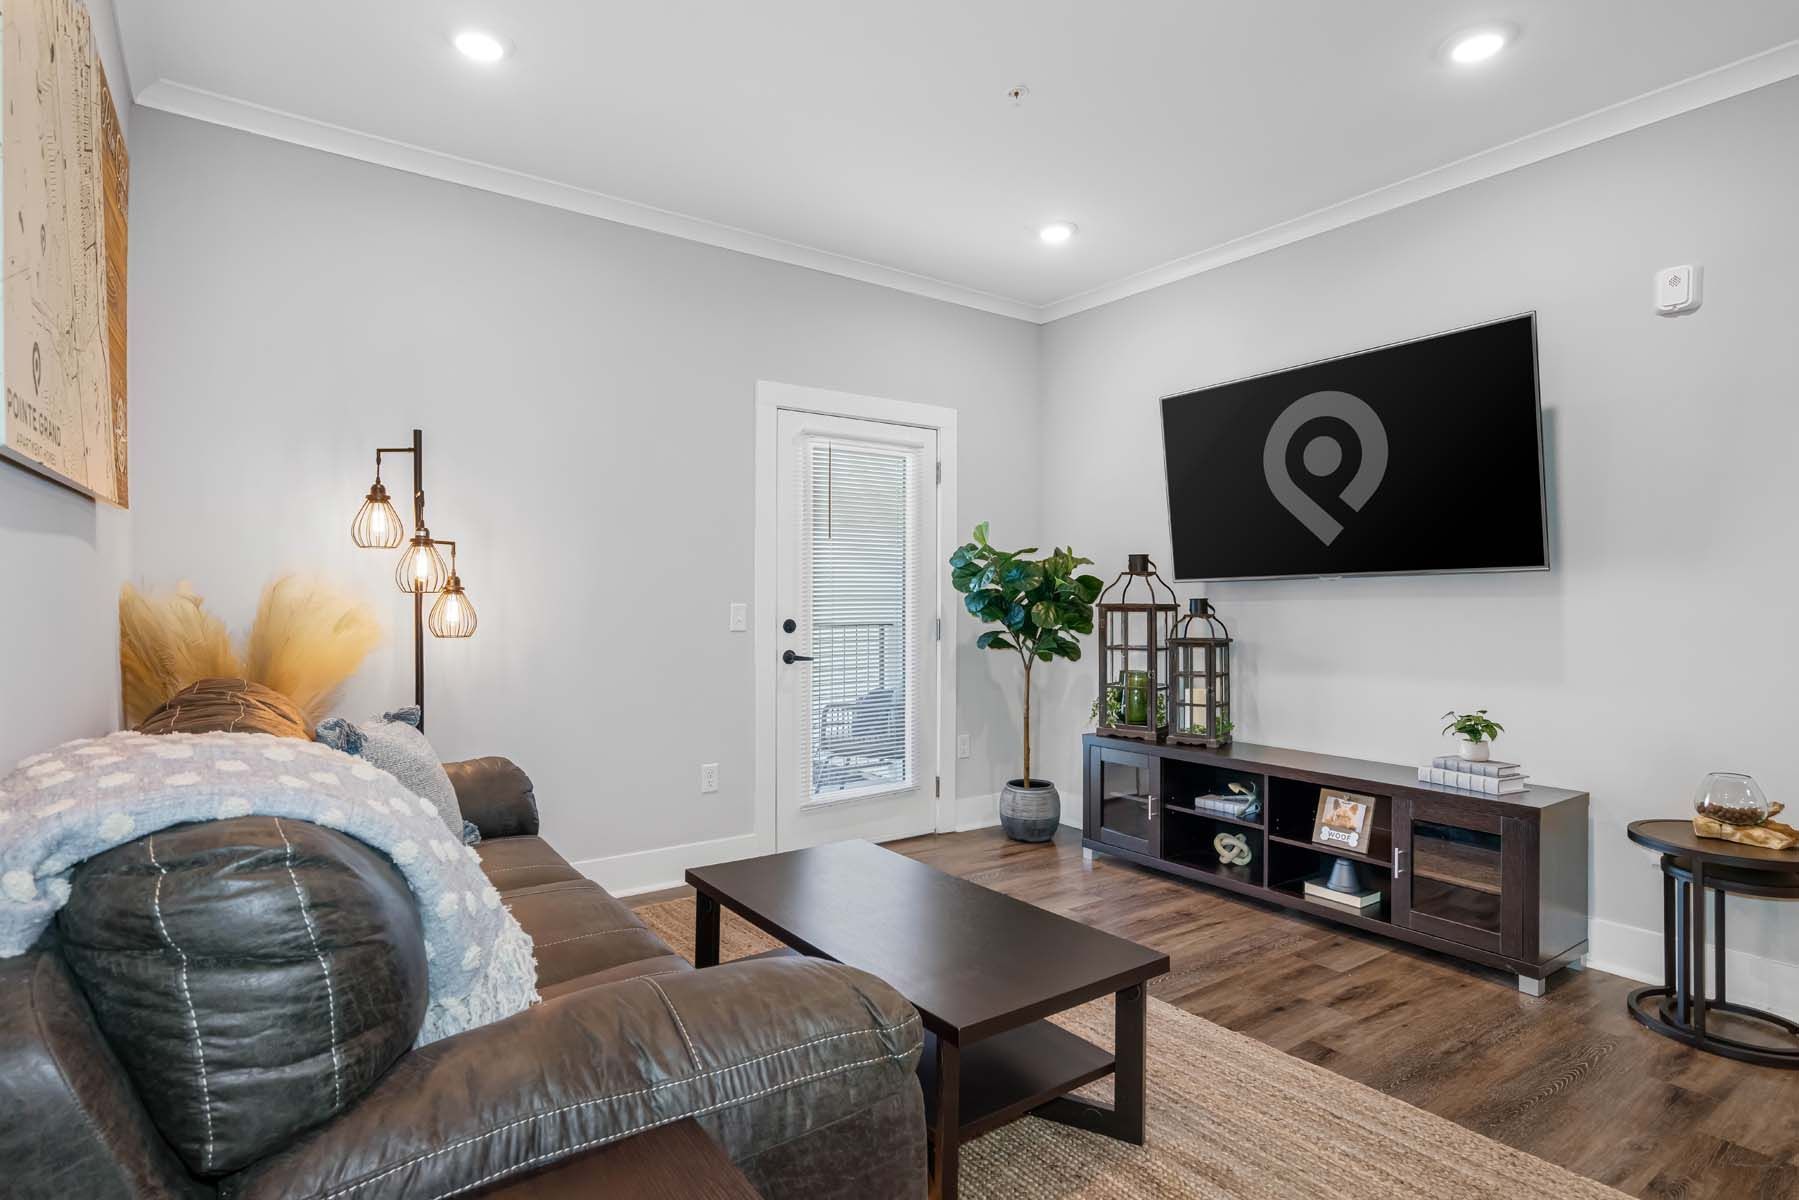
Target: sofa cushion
x,y
255,976
519,862
661,964
760,1053
577,929
555,885
227,706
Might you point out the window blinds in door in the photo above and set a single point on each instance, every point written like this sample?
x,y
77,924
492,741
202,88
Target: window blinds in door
x,y
858,540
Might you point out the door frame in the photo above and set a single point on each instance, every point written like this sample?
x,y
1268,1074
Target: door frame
x,y
773,398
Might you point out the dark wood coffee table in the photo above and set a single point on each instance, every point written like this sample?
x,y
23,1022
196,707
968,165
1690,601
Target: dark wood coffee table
x,y
983,970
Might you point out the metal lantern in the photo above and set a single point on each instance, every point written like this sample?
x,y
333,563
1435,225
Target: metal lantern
x,y
1200,681
1136,612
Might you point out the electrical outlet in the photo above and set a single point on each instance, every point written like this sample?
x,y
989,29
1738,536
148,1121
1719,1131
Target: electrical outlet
x,y
961,745
740,618
708,777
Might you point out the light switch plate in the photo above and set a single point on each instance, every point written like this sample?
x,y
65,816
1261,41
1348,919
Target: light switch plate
x,y
961,745
740,618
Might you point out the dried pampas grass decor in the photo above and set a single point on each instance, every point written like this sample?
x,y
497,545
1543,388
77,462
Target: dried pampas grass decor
x,y
307,640
167,642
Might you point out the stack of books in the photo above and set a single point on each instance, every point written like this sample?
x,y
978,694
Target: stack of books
x,y
1354,901
1244,808
1488,778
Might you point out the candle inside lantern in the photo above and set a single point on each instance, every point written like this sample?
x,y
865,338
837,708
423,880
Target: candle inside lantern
x,y
1136,697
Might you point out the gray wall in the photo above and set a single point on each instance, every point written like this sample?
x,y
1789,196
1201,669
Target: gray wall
x,y
587,392
62,558
1662,645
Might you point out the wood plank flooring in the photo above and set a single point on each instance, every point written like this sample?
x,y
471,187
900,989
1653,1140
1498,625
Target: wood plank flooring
x,y
1569,1077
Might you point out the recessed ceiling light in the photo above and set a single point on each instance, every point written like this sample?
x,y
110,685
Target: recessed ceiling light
x,y
482,47
1056,232
1477,45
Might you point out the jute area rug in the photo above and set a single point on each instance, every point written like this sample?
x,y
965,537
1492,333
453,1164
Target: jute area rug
x,y
1229,1118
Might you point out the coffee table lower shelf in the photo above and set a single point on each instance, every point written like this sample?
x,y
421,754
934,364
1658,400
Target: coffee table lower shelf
x,y
1007,1076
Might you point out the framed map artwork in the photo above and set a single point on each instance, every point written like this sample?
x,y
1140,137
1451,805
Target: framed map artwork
x,y
63,193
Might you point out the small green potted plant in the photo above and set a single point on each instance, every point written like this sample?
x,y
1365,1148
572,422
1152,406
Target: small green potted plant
x,y
1042,608
1475,733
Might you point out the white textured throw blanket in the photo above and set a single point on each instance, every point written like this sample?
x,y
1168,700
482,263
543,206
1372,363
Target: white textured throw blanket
x,y
89,795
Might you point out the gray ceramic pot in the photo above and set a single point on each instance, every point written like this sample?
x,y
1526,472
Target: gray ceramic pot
x,y
1030,814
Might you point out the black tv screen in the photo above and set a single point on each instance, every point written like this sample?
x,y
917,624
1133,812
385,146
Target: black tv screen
x,y
1425,456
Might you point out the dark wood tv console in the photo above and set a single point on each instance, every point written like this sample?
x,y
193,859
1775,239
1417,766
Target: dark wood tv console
x,y
1497,880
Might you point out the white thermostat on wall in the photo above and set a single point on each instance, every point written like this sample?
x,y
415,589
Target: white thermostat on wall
x,y
1677,290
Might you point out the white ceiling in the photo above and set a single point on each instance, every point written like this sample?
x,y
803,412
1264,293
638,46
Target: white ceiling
x,y
877,140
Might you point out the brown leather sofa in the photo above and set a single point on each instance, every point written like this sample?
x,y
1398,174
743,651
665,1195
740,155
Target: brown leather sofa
x,y
802,1070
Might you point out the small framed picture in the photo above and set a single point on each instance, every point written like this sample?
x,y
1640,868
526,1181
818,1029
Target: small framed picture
x,y
1345,820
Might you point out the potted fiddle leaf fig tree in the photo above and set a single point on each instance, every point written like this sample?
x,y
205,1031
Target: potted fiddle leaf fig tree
x,y
1041,607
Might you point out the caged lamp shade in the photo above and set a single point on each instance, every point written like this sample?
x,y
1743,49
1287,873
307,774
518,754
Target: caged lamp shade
x,y
377,526
452,616
421,567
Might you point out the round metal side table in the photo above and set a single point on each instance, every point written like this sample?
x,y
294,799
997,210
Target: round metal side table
x,y
1690,865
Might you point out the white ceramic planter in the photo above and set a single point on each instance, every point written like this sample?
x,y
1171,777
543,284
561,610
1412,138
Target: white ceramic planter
x,y
1474,751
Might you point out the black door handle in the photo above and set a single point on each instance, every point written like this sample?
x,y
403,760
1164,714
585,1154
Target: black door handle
x,y
789,657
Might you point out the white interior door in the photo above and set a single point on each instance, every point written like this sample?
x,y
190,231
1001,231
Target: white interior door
x,y
856,603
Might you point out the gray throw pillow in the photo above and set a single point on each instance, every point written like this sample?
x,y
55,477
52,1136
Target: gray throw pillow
x,y
392,742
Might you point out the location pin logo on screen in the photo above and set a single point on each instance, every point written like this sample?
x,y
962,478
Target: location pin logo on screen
x,y
1334,479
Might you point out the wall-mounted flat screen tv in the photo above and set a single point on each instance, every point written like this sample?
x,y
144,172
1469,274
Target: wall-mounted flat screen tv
x,y
1425,456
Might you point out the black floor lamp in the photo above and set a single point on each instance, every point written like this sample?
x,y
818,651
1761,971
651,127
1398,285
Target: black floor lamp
x,y
420,570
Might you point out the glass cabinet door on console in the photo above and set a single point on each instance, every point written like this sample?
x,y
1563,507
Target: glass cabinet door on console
x,y
1121,799
1453,877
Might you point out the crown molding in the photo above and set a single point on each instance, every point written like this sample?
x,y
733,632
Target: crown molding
x,y
216,109
1721,83
1733,79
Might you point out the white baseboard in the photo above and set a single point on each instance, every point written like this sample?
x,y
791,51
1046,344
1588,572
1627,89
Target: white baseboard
x,y
664,867
1637,954
976,812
